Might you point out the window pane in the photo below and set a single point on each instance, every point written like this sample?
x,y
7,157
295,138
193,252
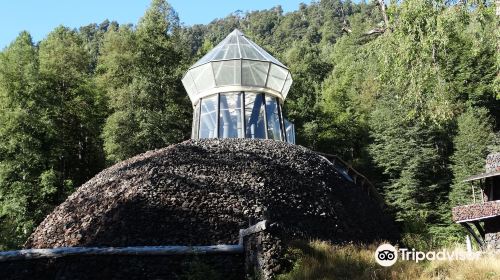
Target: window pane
x,y
266,54
254,116
227,72
288,84
196,121
230,122
208,118
248,51
254,73
188,83
229,51
203,77
277,76
290,132
273,120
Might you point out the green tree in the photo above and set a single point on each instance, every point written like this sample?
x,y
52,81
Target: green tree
x,y
349,93
475,133
75,108
411,158
51,118
308,71
427,78
140,71
21,141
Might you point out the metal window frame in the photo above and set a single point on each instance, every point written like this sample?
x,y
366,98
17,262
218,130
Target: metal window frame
x,y
282,122
196,132
217,120
285,136
268,73
263,96
243,119
217,134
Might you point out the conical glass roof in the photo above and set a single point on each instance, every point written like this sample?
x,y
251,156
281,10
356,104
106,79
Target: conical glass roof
x,y
237,64
237,46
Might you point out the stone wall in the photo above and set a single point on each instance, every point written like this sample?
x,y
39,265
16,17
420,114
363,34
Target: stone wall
x,y
492,241
206,267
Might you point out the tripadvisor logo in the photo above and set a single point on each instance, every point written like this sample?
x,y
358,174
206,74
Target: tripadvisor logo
x,y
386,255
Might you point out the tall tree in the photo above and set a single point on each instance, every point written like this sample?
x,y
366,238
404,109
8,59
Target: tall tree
x,y
51,119
76,108
309,70
475,133
22,132
149,106
427,79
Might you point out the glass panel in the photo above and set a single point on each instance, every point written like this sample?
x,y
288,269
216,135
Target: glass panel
x,y
210,55
254,73
207,58
208,118
228,51
254,116
233,38
230,122
277,76
237,46
196,121
188,83
290,132
203,77
227,72
248,51
273,120
288,84
266,54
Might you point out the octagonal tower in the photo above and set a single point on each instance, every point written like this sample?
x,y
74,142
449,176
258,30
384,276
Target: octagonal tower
x,y
237,90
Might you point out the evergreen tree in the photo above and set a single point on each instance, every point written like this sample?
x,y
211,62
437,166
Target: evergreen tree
x,y
471,147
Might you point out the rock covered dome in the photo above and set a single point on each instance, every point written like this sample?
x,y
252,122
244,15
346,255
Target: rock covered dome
x,y
201,192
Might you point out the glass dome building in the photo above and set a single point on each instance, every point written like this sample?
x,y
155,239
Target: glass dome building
x,y
237,90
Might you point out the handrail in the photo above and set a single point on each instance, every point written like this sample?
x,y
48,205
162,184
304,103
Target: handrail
x,y
28,254
372,191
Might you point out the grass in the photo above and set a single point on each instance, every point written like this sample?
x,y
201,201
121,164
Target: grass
x,y
324,261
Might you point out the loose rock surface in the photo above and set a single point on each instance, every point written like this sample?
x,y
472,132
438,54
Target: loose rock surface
x,y
476,211
201,192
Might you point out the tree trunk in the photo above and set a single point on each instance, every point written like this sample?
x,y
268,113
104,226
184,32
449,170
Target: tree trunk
x,y
384,13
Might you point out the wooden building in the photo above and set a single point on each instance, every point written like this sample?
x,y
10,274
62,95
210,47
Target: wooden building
x,y
484,212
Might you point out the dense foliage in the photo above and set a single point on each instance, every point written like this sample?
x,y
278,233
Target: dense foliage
x,y
409,94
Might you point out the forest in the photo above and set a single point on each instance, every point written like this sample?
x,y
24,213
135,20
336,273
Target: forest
x,y
408,93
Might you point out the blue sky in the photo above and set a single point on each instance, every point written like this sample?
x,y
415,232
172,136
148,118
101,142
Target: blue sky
x,y
40,17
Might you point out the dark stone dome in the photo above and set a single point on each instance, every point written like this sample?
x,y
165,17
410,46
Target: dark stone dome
x,y
201,192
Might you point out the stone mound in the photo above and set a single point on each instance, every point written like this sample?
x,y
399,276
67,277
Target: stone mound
x,y
201,192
